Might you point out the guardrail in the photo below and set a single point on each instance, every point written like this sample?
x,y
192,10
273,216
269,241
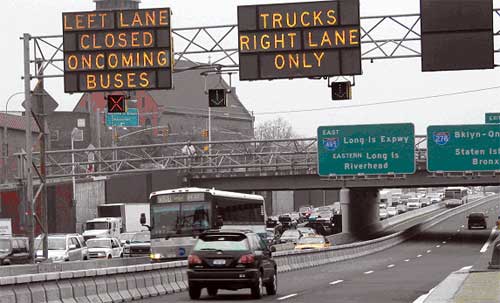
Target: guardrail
x,y
118,284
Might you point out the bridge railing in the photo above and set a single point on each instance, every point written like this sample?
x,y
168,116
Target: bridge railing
x,y
284,156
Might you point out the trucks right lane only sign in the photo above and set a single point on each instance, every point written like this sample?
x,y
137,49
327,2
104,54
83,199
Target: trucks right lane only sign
x,y
463,148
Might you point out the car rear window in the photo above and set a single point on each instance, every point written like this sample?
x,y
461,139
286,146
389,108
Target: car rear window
x,y
222,242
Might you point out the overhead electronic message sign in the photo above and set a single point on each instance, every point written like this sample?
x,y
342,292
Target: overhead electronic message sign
x,y
456,34
295,40
379,149
117,50
461,148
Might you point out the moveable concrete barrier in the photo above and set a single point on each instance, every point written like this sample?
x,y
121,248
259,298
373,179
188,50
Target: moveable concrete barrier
x,y
16,270
124,283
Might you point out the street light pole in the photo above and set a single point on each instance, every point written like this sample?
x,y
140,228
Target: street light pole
x,y
5,145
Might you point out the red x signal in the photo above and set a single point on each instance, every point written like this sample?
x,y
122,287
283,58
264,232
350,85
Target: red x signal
x,y
116,104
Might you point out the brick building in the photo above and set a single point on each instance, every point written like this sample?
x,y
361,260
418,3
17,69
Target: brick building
x,y
14,126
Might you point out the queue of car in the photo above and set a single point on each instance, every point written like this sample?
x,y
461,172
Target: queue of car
x,y
73,247
401,203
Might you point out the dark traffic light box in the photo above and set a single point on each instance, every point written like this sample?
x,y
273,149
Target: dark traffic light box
x,y
117,104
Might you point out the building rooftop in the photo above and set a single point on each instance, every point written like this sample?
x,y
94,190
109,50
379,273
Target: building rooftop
x,y
16,122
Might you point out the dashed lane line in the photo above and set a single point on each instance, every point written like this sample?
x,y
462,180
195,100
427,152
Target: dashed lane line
x,y
438,246
407,260
368,272
390,266
287,297
336,282
429,251
419,256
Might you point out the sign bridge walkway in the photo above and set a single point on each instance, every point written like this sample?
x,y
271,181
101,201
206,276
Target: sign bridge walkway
x,y
246,163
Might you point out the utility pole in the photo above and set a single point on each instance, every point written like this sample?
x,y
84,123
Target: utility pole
x,y
29,147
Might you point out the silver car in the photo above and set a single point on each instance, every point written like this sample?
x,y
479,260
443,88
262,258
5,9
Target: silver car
x,y
62,247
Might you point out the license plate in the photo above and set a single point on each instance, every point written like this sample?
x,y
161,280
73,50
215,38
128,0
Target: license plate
x,y
219,262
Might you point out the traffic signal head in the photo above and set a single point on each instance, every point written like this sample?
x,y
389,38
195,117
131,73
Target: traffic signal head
x,y
217,98
117,104
341,91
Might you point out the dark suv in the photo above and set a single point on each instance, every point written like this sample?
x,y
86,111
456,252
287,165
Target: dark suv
x,y
477,220
13,250
231,260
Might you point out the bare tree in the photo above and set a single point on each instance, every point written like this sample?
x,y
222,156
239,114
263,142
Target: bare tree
x,y
277,128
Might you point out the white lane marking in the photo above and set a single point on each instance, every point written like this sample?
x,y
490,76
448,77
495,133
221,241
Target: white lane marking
x,y
422,298
429,251
336,282
490,238
465,268
407,260
458,230
462,226
438,246
444,242
287,297
390,266
368,272
419,256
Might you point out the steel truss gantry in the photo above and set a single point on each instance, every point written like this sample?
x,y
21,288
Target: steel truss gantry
x,y
383,37
250,157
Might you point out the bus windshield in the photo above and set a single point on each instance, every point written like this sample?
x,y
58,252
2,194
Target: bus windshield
x,y
186,218
453,194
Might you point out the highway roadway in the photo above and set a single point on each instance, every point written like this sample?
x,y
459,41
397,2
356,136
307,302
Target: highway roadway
x,y
404,273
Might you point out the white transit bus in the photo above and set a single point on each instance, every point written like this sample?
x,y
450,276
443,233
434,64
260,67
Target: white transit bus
x,y
455,196
178,216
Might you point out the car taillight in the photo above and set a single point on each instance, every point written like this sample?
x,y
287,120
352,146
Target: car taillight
x,y
193,260
247,259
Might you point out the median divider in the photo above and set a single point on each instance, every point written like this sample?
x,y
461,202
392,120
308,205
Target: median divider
x,y
410,215
125,283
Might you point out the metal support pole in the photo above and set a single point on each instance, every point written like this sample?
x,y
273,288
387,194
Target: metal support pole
x,y
5,153
43,158
73,180
98,127
29,147
113,144
209,130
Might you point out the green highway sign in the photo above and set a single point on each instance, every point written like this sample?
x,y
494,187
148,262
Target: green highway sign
x,y
492,118
459,148
379,149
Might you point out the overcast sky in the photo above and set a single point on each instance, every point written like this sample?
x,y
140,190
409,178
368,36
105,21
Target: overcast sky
x,y
383,80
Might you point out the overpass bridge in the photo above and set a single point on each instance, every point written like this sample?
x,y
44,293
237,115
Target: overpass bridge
x,y
285,164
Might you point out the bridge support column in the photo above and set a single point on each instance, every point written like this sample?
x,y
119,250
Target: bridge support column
x,y
360,211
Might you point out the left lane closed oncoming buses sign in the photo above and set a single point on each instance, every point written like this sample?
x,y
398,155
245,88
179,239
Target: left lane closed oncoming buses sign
x,y
117,50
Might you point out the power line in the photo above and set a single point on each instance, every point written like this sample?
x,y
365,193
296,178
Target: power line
x,y
378,103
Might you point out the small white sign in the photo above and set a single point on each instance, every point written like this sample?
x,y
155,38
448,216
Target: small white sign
x,y
5,227
80,123
77,135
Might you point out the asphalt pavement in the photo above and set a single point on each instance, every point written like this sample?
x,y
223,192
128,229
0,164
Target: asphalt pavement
x,y
404,273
